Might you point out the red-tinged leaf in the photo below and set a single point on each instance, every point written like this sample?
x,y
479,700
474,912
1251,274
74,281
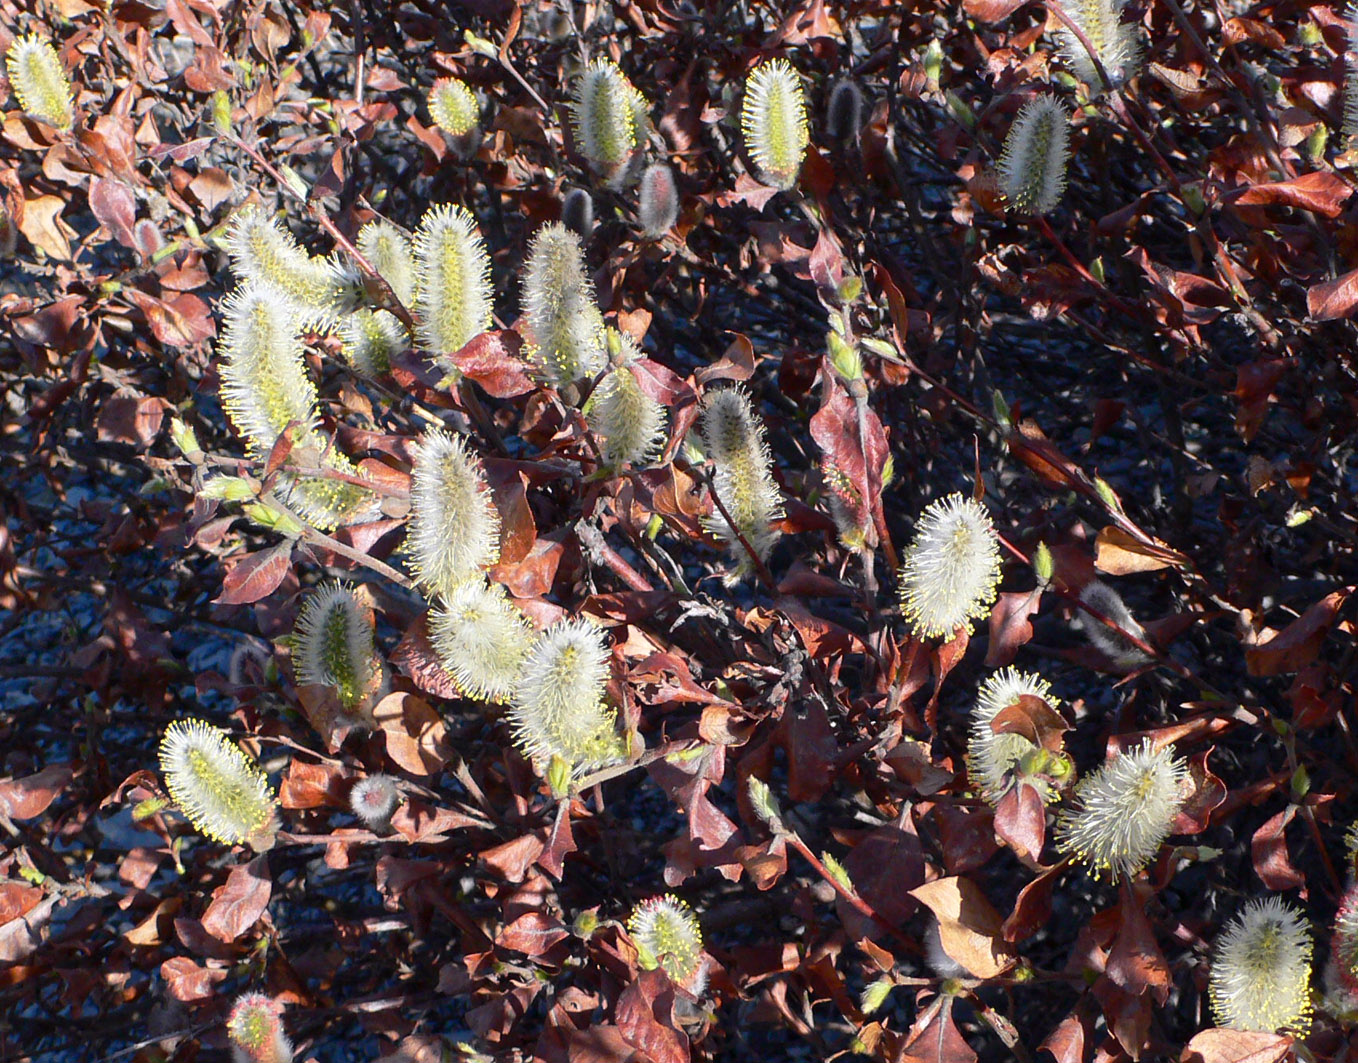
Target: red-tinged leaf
x,y
532,933
822,638
1298,644
256,576
1323,192
1035,720
1268,850
1069,1042
514,858
492,360
417,821
113,204
747,191
560,842
737,363
935,1038
949,654
1254,384
417,738
600,1043
884,865
30,796
1021,822
237,905
533,576
189,983
1010,627
127,419
854,443
1032,907
414,655
312,785
991,10
638,1015
1207,794
1334,299
17,900
1220,1045
1119,553
1128,1015
968,926
53,326
1135,962
1030,445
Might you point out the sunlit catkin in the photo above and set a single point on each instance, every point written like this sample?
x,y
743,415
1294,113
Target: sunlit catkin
x,y
1261,969
453,280
558,710
1116,43
453,106
1122,813
1032,169
567,329
39,81
994,761
629,423
454,530
218,788
334,646
255,1029
1341,973
657,201
609,118
667,935
480,639
773,120
389,251
263,252
369,339
952,568
733,438
373,799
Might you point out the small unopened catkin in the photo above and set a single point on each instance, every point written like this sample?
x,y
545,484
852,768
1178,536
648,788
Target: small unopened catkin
x,y
844,111
773,121
255,1028
733,437
577,212
567,329
657,201
1032,170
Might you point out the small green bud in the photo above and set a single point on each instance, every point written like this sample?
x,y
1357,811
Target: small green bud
x,y
763,802
846,360
1096,270
1106,493
1280,726
1000,408
1301,782
1043,564
933,63
837,871
960,109
559,776
144,810
850,288
889,470
1192,197
881,348
1310,35
586,923
184,438
228,489
273,519
874,996
1298,516
654,526
294,180
480,45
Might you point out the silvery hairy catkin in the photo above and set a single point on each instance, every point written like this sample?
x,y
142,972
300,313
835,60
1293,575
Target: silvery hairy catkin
x,y
1261,969
334,646
389,251
577,212
263,252
1116,43
844,111
480,638
1032,169
566,327
733,437
454,531
609,118
951,569
452,268
773,120
629,423
219,789
657,201
39,81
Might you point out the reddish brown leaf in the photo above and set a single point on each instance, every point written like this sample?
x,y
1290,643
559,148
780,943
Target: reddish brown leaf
x,y
1119,553
189,983
1136,962
991,10
1298,644
1021,822
1207,794
639,1017
1030,445
1323,192
935,1038
532,933
1035,720
237,905
311,785
736,364
492,360
29,796
1032,907
1010,627
1333,299
415,656
1237,1046
256,576
968,927
1067,1043
1268,850
126,419
113,204
417,738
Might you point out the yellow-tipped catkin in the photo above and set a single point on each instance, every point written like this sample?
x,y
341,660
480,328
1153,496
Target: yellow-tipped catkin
x,y
452,268
369,340
773,120
453,106
255,1027
558,306
1116,43
733,438
952,568
218,788
609,118
1261,969
39,81
629,423
389,251
558,708
1032,170
454,530
667,935
334,646
263,252
480,638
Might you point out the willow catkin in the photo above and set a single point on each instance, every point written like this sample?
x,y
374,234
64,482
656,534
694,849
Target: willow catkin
x,y
1261,969
742,478
452,267
773,120
667,935
480,639
1116,43
1032,169
454,531
453,106
39,81
334,645
566,327
629,423
218,788
609,118
390,251
952,568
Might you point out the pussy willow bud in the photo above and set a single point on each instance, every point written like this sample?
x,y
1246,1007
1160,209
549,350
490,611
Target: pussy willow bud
x,y
374,799
454,528
1032,170
609,118
995,761
733,437
369,339
263,253
773,120
577,212
389,251
952,568
658,201
453,106
1124,655
558,707
667,935
1261,969
480,638
558,306
1116,43
217,787
334,646
629,423
452,265
255,1028
39,81
1122,813
844,112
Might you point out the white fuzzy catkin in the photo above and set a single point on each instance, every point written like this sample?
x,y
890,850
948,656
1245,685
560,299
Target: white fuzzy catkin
x,y
773,120
255,1029
952,568
1032,169
453,106
1123,654
390,251
218,788
452,267
558,305
1122,813
369,339
1116,43
373,799
733,438
629,423
480,639
657,201
39,81
454,530
609,118
558,707
334,645
264,253
667,935
1261,969
993,759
